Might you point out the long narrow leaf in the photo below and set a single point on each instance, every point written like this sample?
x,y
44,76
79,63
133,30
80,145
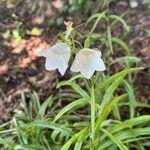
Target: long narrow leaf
x,y
126,134
131,122
80,134
122,44
76,104
75,86
106,110
51,125
132,99
109,36
119,18
108,80
109,92
115,140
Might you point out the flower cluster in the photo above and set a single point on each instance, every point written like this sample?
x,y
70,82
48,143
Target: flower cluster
x,y
87,61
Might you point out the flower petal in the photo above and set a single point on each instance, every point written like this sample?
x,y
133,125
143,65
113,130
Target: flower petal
x,y
62,68
51,62
97,53
57,57
99,65
87,71
97,62
76,65
44,53
56,62
62,50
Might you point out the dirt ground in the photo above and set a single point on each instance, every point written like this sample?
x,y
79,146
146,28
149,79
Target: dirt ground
x,y
21,71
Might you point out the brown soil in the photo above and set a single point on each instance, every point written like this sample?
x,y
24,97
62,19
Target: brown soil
x,y
21,70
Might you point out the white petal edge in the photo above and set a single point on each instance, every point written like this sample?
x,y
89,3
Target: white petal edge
x,y
100,66
63,69
87,71
43,53
75,65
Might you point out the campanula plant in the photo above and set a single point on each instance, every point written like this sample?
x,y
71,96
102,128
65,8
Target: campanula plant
x,y
87,113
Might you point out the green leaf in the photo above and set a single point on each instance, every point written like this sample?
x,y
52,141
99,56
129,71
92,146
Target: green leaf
x,y
75,86
87,42
9,131
109,39
7,143
115,140
106,110
21,138
108,80
78,145
50,125
94,36
54,137
124,135
43,107
137,139
130,123
140,104
29,147
122,44
36,101
109,92
119,18
99,16
127,59
132,99
76,104
116,112
78,135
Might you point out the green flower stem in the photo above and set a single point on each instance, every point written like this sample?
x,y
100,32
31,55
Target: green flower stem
x,y
93,110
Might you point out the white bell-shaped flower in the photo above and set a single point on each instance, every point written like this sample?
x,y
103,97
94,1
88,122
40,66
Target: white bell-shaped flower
x,y
57,57
87,61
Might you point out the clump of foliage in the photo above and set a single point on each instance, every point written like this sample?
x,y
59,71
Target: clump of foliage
x,y
86,113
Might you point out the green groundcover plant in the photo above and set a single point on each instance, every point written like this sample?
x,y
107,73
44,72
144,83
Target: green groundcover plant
x,y
89,110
